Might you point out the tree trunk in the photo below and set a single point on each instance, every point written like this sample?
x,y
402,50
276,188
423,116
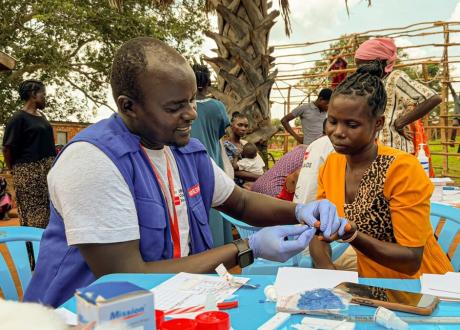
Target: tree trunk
x,y
243,63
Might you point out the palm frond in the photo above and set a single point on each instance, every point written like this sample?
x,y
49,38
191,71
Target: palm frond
x,y
285,12
369,3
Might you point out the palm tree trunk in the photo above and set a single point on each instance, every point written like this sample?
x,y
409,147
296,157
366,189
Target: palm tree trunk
x,y
243,62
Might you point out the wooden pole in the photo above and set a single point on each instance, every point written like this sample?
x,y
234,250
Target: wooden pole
x,y
288,110
426,123
445,99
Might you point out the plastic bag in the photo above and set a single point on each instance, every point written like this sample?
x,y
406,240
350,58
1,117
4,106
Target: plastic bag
x,y
315,302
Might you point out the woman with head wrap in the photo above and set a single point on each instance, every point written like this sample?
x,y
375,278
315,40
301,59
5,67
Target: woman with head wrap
x,y
408,100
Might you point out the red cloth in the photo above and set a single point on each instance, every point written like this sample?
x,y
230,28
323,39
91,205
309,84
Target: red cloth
x,y
287,196
340,64
420,137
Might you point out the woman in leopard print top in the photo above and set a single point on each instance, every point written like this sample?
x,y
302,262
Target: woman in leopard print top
x,y
383,192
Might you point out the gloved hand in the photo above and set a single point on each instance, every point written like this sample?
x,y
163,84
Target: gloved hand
x,y
323,211
269,243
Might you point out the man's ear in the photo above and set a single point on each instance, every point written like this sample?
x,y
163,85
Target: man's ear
x,y
126,106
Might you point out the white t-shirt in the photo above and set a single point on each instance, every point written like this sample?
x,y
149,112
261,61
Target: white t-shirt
x,y
315,156
95,202
253,165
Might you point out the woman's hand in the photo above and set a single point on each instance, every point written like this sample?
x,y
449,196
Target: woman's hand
x,y
349,230
404,131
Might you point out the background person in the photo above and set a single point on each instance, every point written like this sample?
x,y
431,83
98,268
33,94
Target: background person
x,y
212,119
408,100
209,127
312,116
249,161
382,191
234,147
28,148
314,157
271,183
455,120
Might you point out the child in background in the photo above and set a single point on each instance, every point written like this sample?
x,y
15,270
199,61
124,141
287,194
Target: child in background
x,y
249,161
5,199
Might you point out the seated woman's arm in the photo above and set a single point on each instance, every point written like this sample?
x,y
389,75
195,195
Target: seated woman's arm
x,y
403,259
246,176
321,254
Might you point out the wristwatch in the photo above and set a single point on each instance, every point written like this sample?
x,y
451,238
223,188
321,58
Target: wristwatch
x,y
245,255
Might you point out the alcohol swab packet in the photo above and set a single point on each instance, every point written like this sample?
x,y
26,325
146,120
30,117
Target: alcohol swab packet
x,y
389,319
223,273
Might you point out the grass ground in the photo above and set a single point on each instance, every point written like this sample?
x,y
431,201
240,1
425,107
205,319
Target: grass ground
x,y
454,161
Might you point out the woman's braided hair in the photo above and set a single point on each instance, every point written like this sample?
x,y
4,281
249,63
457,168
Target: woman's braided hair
x,y
366,82
28,87
203,76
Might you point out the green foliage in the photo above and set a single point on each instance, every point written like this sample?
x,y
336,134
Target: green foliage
x,y
297,122
276,122
70,45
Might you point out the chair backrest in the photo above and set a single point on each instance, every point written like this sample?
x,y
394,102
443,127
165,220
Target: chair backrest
x,y
15,238
243,229
449,230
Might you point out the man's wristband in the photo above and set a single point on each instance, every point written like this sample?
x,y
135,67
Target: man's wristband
x,y
245,255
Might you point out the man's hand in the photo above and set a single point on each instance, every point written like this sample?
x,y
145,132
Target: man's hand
x,y
269,243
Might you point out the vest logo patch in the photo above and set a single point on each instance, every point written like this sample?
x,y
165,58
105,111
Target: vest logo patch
x,y
195,190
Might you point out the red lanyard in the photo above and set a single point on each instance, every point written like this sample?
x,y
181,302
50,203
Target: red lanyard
x,y
173,221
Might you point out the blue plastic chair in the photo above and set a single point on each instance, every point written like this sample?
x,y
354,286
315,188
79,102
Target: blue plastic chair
x,y
15,238
449,230
267,267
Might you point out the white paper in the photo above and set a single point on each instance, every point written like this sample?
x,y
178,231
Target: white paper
x,y
188,290
291,280
69,317
441,181
444,286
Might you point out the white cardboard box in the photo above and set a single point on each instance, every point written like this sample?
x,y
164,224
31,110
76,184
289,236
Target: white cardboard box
x,y
116,302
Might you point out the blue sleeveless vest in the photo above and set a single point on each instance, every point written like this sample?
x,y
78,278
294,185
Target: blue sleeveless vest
x,y
61,269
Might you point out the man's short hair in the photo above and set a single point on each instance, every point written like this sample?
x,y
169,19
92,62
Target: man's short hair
x,y
325,94
130,61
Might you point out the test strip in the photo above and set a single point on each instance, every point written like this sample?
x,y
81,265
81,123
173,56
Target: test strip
x,y
275,322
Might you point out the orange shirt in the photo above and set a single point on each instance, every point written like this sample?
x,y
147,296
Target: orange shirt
x,y
392,204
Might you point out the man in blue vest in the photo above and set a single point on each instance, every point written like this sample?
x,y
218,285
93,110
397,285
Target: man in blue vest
x,y
132,193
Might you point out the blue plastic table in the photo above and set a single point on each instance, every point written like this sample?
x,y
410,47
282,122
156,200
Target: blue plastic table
x,y
253,311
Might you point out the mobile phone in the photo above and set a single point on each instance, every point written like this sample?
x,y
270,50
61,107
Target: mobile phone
x,y
416,303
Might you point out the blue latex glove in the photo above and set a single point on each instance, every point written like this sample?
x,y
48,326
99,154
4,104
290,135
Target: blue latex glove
x,y
323,211
269,243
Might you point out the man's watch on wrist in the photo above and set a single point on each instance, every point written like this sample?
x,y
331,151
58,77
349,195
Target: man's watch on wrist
x,y
245,255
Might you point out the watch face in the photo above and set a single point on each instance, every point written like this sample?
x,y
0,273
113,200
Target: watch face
x,y
245,258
